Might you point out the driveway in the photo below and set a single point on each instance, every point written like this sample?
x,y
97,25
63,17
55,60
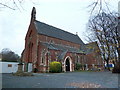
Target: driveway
x,y
61,80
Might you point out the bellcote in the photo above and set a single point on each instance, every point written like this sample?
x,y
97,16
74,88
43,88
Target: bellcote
x,y
33,14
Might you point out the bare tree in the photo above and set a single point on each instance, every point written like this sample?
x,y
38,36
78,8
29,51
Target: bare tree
x,y
109,36
15,4
104,26
11,4
99,6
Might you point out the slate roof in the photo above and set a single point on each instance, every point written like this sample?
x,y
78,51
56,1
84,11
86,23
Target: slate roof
x,y
89,47
51,31
61,48
62,55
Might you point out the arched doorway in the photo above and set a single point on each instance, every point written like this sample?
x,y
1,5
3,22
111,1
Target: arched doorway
x,y
67,65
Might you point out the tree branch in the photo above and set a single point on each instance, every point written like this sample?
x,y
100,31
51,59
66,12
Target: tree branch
x,y
7,6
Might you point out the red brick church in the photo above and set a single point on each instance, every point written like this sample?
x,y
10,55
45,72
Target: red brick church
x,y
45,43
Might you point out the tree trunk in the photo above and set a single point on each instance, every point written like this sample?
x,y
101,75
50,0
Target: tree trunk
x,y
119,54
107,61
116,69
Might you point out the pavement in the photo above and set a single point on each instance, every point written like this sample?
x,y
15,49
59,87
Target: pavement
x,y
62,80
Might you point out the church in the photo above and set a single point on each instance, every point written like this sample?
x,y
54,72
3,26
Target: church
x,y
45,43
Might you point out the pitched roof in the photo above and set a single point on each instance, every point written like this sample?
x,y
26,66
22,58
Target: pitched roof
x,y
61,47
51,31
91,47
62,55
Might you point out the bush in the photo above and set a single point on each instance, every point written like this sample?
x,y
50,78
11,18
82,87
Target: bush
x,y
78,66
116,69
55,67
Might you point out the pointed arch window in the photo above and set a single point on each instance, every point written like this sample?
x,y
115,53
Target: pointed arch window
x,y
43,57
42,61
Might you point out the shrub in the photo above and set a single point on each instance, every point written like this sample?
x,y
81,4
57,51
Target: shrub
x,y
78,66
116,69
55,67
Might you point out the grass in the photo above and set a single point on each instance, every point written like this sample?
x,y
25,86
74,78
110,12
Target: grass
x,y
22,74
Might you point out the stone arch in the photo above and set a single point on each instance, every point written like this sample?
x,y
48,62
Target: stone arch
x,y
68,61
44,60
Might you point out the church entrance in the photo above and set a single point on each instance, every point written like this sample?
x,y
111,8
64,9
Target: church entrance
x,y
67,64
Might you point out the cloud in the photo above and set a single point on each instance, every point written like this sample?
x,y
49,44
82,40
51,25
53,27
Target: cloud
x,y
12,31
69,15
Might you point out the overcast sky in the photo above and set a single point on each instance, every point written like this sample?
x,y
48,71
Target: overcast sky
x,y
69,15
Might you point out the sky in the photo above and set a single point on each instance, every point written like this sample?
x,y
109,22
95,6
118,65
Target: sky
x,y
69,15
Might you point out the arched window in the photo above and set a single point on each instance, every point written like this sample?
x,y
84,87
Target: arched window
x,y
42,61
30,33
30,51
43,57
78,59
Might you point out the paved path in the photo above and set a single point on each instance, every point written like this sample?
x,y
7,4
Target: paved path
x,y
61,80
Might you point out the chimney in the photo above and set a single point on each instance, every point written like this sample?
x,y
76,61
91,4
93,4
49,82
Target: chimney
x,y
33,14
76,33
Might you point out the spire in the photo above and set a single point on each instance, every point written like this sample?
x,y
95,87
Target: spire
x,y
33,14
